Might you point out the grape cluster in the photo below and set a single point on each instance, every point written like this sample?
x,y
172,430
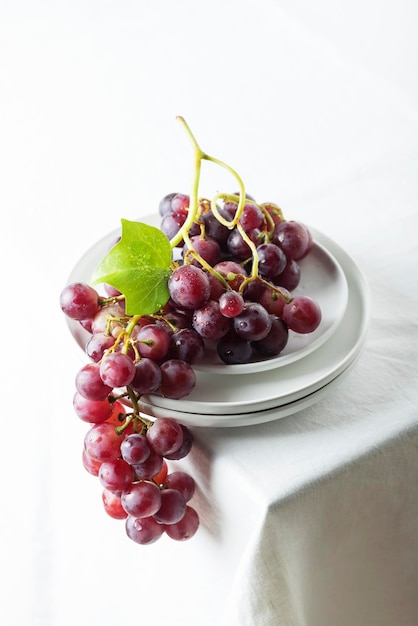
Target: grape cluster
x,y
235,278
129,452
230,287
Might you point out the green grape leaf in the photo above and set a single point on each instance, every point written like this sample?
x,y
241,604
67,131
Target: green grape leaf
x,y
139,266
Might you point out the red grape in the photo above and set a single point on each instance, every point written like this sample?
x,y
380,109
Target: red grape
x,y
92,411
234,350
187,345
79,301
142,499
177,379
271,260
189,286
209,322
143,531
172,508
293,238
152,341
117,369
91,465
185,447
181,481
165,436
253,323
102,442
89,383
302,314
112,505
116,475
149,468
276,339
231,303
135,448
186,528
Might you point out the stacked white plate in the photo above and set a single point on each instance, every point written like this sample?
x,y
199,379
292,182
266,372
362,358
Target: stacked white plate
x,y
310,365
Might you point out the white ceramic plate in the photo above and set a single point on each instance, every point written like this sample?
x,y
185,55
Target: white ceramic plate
x,y
322,278
255,417
216,395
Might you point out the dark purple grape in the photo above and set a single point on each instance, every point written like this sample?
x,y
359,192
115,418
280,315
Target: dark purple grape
x,y
214,229
187,345
293,238
275,341
234,350
289,278
254,290
208,248
209,322
254,323
271,260
177,379
251,217
217,288
238,247
175,320
147,377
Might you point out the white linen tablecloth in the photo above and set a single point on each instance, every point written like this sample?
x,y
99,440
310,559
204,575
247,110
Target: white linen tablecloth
x,y
309,520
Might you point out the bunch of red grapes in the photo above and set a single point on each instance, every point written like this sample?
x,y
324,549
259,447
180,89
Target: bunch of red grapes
x,y
230,290
244,314
126,450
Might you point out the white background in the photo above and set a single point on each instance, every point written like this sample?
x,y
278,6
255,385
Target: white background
x,y
314,104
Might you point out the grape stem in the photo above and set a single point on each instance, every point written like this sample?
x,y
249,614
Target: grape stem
x,y
192,216
133,397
